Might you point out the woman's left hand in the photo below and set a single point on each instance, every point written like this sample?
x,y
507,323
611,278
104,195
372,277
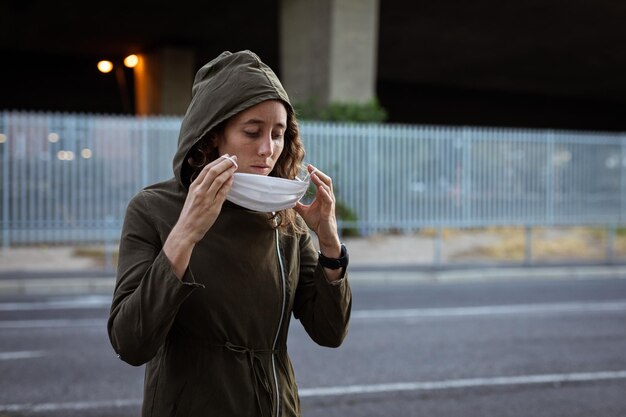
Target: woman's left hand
x,y
320,214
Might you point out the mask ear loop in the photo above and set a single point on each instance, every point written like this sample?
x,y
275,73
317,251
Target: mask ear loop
x,y
307,177
231,160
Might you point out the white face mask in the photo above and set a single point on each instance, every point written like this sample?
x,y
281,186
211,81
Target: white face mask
x,y
267,194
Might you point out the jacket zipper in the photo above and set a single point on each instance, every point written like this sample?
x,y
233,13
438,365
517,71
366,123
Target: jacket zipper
x,y
280,322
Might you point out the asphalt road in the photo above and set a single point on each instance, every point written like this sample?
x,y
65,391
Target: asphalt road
x,y
506,349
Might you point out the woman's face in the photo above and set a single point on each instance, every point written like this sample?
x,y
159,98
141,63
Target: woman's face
x,y
256,137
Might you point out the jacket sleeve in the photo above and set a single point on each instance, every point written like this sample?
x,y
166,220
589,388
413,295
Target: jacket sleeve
x,y
322,308
147,293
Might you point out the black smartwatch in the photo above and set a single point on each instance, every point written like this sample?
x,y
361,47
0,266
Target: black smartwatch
x,y
335,263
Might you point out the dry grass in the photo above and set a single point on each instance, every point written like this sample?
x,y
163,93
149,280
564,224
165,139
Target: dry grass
x,y
575,243
492,243
97,253
446,233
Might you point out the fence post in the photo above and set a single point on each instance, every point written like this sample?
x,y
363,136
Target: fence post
x,y
145,160
372,181
108,244
437,243
528,252
549,219
610,242
5,183
622,201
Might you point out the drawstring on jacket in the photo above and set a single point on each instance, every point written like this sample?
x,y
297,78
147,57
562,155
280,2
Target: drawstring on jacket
x,y
259,376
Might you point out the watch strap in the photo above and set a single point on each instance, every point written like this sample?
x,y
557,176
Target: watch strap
x,y
335,263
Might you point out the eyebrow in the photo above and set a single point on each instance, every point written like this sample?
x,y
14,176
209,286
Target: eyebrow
x,y
261,122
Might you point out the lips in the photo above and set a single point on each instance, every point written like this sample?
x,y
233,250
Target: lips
x,y
262,169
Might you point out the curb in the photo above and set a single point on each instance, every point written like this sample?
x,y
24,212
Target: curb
x,y
78,285
489,274
75,282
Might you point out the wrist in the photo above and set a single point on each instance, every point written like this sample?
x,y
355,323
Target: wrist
x,y
331,249
177,249
181,238
335,263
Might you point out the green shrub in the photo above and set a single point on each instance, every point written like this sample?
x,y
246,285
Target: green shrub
x,y
370,112
345,213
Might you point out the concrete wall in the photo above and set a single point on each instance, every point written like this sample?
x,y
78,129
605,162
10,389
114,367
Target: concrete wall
x,y
163,81
329,49
354,47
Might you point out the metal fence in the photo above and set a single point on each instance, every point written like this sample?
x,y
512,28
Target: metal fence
x,y
66,178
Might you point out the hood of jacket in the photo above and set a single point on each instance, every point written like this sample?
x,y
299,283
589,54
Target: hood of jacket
x,y
225,86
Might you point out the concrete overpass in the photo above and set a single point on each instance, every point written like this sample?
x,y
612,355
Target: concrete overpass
x,y
557,64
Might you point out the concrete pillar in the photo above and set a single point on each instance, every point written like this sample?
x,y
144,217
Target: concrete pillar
x,y
163,81
329,50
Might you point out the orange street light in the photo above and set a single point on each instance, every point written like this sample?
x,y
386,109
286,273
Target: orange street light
x,y
131,61
105,66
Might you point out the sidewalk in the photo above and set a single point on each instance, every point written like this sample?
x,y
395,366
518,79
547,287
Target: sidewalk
x,y
375,259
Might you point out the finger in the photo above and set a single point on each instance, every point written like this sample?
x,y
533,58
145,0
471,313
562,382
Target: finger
x,y
300,208
221,160
232,159
210,202
220,184
225,164
222,191
204,172
326,200
321,177
315,171
312,169
324,190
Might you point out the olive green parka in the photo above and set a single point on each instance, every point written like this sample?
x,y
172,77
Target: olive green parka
x,y
214,343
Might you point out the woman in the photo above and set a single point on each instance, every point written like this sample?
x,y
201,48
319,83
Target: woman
x,y
205,287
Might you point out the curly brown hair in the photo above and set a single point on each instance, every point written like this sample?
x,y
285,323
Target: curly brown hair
x,y
287,166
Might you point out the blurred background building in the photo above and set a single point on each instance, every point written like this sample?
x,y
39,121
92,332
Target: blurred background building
x,y
536,63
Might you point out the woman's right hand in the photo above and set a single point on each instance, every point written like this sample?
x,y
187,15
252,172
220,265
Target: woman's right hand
x,y
205,198
202,206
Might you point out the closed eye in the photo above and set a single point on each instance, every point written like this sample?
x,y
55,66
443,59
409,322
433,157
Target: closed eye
x,y
257,133
254,134
278,134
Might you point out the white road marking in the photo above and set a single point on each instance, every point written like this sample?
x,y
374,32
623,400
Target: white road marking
x,y
358,389
92,301
79,405
567,307
463,383
52,323
23,354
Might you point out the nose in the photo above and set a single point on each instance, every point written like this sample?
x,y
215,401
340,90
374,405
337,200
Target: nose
x,y
266,145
